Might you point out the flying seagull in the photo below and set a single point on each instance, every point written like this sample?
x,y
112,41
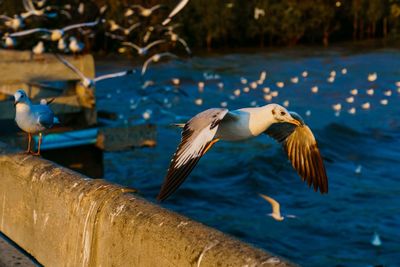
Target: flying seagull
x,y
89,83
156,58
276,208
206,128
142,51
33,119
55,34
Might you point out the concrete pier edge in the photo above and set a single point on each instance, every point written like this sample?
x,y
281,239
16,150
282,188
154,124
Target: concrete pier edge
x,y
62,218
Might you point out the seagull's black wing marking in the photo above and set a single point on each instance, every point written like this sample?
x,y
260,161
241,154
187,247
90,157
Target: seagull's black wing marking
x,y
197,138
302,150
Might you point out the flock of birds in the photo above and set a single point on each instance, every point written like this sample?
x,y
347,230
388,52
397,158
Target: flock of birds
x,y
136,33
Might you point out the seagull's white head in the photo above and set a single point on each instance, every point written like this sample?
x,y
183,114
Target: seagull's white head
x,y
20,97
280,114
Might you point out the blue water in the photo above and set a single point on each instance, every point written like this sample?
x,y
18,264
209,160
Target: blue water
x,y
222,191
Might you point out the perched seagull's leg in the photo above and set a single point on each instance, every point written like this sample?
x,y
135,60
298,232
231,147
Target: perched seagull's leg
x,y
210,145
40,142
28,151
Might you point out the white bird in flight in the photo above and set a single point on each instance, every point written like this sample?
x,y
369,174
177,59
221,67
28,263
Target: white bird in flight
x,y
156,58
33,119
87,82
55,34
276,208
208,127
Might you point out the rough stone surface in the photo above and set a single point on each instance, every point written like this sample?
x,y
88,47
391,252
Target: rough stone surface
x,y
65,219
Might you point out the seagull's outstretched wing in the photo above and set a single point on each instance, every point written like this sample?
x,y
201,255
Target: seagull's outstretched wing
x,y
114,75
175,11
197,138
27,32
302,150
79,25
70,66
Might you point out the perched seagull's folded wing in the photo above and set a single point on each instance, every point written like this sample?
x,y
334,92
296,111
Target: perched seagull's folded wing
x,y
45,116
302,150
197,138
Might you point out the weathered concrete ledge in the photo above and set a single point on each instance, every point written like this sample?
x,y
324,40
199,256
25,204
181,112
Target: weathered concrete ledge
x,y
64,219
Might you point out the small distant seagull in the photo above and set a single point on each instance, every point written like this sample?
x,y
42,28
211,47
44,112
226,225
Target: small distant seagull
x,y
33,119
38,49
258,12
175,11
156,58
126,31
276,212
208,127
376,240
89,83
372,77
144,12
142,51
55,34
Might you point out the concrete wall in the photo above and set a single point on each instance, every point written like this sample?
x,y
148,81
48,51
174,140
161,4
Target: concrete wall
x,y
65,219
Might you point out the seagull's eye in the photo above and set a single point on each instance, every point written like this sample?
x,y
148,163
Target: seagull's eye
x,y
283,113
22,96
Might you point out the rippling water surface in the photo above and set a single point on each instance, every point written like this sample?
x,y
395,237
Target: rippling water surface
x,y
222,192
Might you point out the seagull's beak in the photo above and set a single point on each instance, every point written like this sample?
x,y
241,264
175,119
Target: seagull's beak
x,y
295,122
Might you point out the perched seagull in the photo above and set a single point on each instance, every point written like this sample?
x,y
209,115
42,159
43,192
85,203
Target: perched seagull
x,y
175,11
142,51
156,58
32,119
206,128
8,42
74,45
38,49
55,34
90,83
